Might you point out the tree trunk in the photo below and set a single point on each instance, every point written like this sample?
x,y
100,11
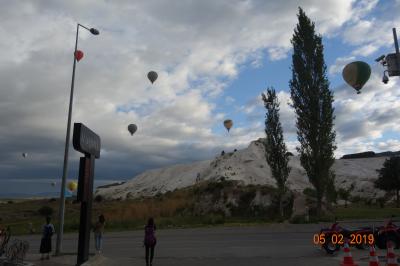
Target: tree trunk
x,y
397,198
319,205
281,205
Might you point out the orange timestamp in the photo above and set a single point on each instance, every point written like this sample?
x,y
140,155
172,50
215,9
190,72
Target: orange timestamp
x,y
355,239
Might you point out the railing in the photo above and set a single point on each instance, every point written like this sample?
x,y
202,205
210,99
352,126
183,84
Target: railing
x,y
16,252
5,235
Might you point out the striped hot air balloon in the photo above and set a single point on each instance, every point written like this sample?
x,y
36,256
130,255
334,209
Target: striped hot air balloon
x,y
356,74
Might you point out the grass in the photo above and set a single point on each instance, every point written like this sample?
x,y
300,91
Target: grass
x,y
171,210
361,211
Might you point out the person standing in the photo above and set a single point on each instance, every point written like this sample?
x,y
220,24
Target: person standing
x,y
98,233
45,243
149,241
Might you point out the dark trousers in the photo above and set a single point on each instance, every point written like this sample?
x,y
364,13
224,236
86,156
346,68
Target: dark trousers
x,y
149,254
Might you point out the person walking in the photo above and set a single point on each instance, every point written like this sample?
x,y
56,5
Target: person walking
x,y
45,243
98,233
149,241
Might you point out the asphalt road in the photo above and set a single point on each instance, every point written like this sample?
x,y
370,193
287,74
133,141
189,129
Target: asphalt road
x,y
275,244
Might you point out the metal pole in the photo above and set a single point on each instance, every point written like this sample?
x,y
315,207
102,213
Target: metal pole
x,y
65,168
396,44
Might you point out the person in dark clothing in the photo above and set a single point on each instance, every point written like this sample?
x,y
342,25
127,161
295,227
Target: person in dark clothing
x,y
149,241
98,233
45,243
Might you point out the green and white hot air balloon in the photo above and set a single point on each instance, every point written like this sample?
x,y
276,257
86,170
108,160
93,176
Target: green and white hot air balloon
x,y
356,74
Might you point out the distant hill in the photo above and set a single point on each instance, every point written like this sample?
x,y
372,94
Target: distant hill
x,y
249,167
370,154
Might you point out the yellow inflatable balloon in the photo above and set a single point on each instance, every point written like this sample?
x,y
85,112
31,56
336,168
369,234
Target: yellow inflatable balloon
x,y
72,186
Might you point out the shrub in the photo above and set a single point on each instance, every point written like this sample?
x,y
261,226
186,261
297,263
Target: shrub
x,y
310,192
98,198
46,211
381,201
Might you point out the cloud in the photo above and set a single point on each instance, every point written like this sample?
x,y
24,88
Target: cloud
x,y
339,64
370,32
197,48
229,100
364,118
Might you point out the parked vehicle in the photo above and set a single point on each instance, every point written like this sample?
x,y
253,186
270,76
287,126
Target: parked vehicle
x,y
387,233
331,239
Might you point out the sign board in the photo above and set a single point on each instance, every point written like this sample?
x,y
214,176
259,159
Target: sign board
x,y
85,140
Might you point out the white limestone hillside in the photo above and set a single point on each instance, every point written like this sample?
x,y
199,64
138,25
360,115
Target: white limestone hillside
x,y
247,166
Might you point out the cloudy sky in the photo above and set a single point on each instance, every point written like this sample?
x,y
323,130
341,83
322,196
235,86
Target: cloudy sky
x,y
214,58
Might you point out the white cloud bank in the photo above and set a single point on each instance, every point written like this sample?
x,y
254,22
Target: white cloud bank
x,y
196,47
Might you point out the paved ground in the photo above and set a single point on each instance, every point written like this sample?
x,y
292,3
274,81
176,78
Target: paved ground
x,y
277,244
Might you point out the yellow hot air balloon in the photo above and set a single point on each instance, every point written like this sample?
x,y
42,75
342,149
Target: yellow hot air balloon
x,y
72,186
228,124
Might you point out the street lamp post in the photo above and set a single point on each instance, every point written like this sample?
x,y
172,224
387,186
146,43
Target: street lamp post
x,y
67,139
391,61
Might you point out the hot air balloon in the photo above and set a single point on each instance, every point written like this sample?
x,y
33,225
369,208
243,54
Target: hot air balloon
x,y
228,124
78,55
152,76
72,186
132,129
24,155
356,74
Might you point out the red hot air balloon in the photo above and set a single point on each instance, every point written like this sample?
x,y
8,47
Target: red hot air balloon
x,y
78,55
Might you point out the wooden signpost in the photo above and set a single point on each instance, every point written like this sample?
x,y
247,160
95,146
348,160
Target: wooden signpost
x,y
87,142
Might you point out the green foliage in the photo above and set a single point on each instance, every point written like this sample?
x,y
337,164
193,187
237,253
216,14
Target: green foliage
x,y
331,192
389,176
345,194
312,103
98,198
381,201
310,192
275,148
46,211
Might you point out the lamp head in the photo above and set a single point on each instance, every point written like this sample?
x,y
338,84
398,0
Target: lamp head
x,y
94,31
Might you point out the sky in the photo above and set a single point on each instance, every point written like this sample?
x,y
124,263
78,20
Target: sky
x,y
213,58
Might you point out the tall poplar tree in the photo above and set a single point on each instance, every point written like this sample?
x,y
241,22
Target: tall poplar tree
x,y
312,103
275,147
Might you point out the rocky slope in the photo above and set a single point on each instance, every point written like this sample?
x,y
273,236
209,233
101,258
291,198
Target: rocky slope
x,y
249,167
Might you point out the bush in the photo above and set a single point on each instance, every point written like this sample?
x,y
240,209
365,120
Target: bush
x,y
381,201
98,198
46,211
298,219
356,199
310,192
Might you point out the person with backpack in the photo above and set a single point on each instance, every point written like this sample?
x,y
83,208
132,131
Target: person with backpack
x,y
45,244
98,233
150,241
